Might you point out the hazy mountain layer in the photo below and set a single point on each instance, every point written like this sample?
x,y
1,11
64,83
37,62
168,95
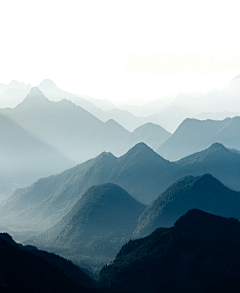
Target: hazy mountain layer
x,y
195,135
222,163
61,124
71,129
201,253
141,172
97,226
202,192
152,134
24,157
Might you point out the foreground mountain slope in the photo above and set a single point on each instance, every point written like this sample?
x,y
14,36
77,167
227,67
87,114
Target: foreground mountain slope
x,y
141,172
70,270
100,222
22,271
24,157
195,135
201,253
222,163
202,192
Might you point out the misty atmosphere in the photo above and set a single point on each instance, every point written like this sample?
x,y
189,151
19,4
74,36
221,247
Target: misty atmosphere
x,y
119,147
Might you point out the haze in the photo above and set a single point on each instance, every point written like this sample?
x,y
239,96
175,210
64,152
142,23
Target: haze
x,y
124,51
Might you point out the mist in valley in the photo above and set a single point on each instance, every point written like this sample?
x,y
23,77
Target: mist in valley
x,y
119,147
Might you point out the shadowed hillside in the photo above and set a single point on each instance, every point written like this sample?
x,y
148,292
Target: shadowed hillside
x,y
201,253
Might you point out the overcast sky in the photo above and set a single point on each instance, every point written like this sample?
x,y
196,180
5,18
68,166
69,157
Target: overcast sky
x,y
131,50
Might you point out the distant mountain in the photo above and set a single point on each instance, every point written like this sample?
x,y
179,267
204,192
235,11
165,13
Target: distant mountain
x,y
97,226
170,118
54,93
24,157
141,172
185,101
13,85
152,134
216,115
62,124
195,135
23,272
202,192
110,136
13,96
103,104
200,254
123,117
218,161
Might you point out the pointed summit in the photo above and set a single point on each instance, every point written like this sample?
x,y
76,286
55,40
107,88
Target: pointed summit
x,y
143,152
140,148
35,95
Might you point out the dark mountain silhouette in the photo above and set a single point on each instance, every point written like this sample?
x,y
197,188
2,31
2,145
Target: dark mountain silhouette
x,y
222,163
141,172
97,226
70,270
24,157
201,253
22,271
152,134
202,192
194,135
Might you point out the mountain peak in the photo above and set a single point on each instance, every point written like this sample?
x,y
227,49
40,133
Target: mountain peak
x,y
35,92
35,95
140,147
47,84
217,145
142,152
196,222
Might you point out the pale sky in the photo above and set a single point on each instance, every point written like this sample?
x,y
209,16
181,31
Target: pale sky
x,y
121,50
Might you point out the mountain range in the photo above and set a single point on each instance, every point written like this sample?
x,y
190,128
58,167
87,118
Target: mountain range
x,y
217,160
200,253
195,135
24,157
168,111
106,216
202,192
72,130
141,172
97,226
